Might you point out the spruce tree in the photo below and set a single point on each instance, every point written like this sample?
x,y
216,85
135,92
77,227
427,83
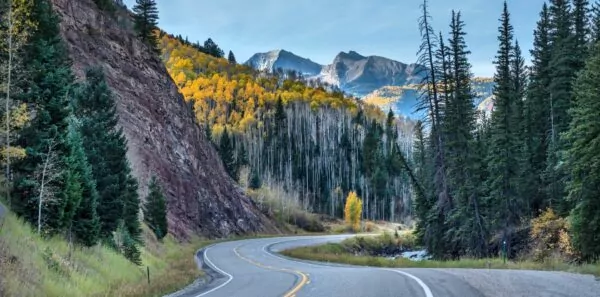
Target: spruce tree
x,y
211,48
48,80
583,159
155,209
131,208
502,162
563,66
231,58
581,30
537,114
227,154
255,182
466,233
85,226
106,148
146,22
520,122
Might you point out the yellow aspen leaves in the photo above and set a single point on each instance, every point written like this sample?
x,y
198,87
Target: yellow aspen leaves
x,y
353,211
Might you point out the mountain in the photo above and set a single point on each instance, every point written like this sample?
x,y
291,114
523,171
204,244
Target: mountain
x,y
354,73
360,75
162,134
281,59
384,82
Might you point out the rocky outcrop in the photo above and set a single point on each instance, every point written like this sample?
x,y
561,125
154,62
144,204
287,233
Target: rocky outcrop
x,y
163,138
282,59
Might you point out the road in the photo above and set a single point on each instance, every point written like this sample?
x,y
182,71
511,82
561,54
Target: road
x,y
253,268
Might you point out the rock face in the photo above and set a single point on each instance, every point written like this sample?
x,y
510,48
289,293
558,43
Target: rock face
x,y
163,138
360,75
273,60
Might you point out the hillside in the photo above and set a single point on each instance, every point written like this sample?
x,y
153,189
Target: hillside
x,y
294,135
162,135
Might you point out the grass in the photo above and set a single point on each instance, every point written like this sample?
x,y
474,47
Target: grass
x,y
32,266
339,253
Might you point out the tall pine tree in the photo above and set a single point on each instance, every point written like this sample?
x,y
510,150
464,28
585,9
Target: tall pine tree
x,y
537,114
46,89
562,71
85,223
583,159
502,162
106,147
146,22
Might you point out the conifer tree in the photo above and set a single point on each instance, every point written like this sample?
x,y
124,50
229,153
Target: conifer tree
x,y
47,82
255,182
231,58
211,48
520,121
131,208
563,66
227,154
466,223
155,209
502,161
583,159
581,31
537,114
146,22
85,223
106,147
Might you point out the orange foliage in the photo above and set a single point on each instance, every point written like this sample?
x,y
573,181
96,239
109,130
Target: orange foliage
x,y
235,95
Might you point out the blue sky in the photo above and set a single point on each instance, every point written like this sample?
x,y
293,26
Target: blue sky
x,y
320,29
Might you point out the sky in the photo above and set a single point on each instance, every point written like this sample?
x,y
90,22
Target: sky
x,y
320,29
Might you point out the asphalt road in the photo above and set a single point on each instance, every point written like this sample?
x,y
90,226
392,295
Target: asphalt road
x,y
253,268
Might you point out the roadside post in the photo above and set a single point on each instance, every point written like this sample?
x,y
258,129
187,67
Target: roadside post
x,y
504,251
148,272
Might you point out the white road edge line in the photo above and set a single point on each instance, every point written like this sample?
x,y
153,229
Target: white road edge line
x,y
418,280
425,288
205,256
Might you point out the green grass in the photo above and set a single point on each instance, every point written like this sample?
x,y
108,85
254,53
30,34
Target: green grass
x,y
32,266
338,253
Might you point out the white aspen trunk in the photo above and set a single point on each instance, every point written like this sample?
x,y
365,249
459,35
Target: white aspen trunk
x,y
43,184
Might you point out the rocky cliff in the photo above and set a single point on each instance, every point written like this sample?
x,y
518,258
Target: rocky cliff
x,y
163,138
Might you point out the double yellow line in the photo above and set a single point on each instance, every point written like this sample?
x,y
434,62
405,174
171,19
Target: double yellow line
x,y
292,293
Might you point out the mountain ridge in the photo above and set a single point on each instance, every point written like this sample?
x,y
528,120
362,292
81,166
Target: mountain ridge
x,y
378,80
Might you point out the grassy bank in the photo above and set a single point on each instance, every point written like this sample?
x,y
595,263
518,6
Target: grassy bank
x,y
32,266
340,253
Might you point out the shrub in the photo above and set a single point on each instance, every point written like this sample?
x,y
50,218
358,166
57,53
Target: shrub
x,y
549,237
307,222
370,227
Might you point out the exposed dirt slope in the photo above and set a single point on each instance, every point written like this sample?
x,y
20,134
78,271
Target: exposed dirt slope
x,y
163,138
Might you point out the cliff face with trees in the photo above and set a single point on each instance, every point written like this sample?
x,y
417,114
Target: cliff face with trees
x,y
160,130
308,139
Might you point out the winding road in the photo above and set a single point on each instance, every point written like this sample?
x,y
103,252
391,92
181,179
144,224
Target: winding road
x,y
253,267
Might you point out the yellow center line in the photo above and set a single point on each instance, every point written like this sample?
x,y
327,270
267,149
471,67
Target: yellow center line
x,y
292,293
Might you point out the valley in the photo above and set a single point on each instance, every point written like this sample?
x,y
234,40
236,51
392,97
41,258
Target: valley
x,y
139,162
